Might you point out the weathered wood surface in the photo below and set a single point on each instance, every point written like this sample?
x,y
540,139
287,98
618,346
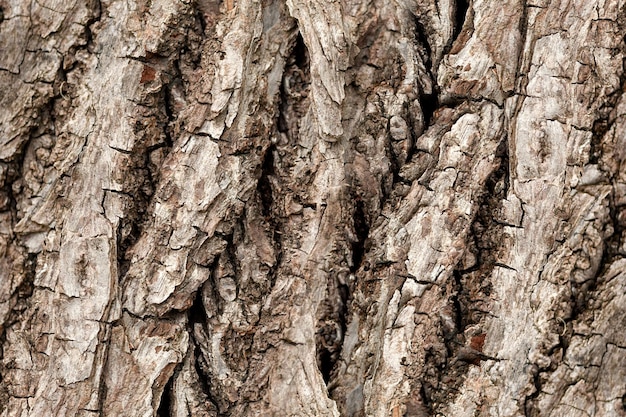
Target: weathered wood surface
x,y
312,208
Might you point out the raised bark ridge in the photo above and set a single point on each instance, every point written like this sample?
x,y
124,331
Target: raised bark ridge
x,y
312,208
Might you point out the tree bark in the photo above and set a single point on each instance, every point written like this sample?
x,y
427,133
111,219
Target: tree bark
x,y
312,208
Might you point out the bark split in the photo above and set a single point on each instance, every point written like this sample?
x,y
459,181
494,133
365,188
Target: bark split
x,y
312,208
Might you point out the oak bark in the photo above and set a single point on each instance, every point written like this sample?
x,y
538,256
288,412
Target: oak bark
x,y
312,208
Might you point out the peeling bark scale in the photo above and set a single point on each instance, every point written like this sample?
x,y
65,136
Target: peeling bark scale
x,y
312,208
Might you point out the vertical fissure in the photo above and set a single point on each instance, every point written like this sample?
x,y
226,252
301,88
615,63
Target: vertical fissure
x,y
422,41
197,316
361,230
21,179
264,186
293,93
429,101
461,8
289,157
165,405
156,126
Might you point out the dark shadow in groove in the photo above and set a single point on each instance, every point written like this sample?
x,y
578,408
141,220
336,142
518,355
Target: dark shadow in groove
x,y
294,88
327,356
460,13
460,310
420,34
326,364
330,335
429,103
329,344
24,291
300,53
165,405
168,108
199,363
264,186
600,127
362,230
197,315
425,399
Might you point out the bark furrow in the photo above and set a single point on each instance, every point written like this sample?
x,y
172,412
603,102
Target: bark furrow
x,y
311,208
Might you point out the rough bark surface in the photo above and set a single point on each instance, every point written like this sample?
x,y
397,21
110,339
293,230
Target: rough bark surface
x,y
312,208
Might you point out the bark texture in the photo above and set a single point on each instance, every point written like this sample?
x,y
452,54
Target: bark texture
x,y
312,208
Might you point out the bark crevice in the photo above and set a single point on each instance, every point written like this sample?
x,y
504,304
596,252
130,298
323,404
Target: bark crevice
x,y
469,295
206,212
197,318
461,8
165,404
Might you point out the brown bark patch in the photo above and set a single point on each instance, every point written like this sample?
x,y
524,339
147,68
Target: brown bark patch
x,y
477,342
148,74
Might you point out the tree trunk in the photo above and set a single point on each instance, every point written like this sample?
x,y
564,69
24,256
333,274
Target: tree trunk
x,y
312,208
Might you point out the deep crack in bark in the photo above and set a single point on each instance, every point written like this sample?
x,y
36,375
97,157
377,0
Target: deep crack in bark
x,y
460,13
165,405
